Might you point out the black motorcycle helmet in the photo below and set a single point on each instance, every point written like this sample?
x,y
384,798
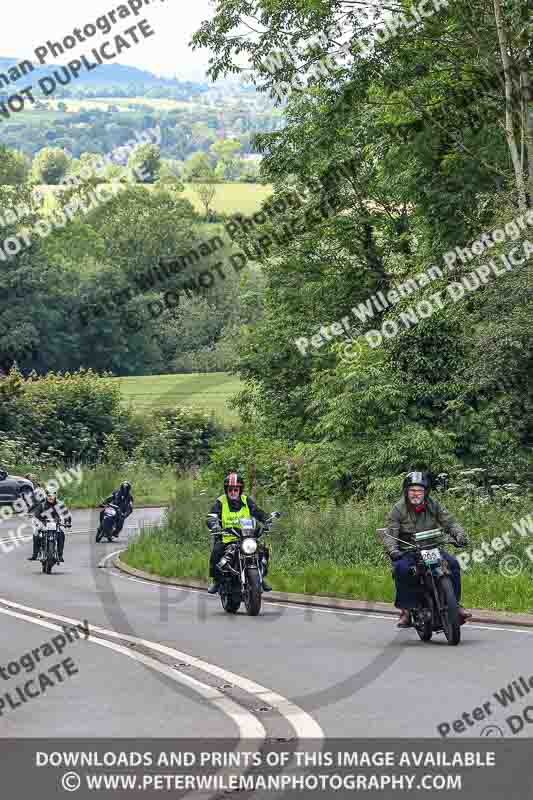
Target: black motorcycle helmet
x,y
417,479
233,480
125,488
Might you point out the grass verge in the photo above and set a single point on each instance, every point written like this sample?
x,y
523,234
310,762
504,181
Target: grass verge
x,y
335,550
149,486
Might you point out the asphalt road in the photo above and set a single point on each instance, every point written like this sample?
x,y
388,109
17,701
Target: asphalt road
x,y
161,661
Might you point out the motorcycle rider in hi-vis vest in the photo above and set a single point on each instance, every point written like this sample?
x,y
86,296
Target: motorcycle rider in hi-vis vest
x,y
226,512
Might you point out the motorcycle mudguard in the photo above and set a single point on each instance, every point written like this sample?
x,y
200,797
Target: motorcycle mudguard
x,y
439,570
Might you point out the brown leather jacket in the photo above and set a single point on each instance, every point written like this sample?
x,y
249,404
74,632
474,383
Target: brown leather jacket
x,y
403,522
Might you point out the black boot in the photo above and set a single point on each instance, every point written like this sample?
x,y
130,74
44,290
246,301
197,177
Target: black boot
x,y
213,587
265,585
35,553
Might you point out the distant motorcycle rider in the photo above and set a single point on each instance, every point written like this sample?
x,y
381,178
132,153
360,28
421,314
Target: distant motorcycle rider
x,y
225,513
50,510
417,512
123,499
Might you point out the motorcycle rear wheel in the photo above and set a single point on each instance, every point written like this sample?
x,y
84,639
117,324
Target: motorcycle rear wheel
x,y
449,611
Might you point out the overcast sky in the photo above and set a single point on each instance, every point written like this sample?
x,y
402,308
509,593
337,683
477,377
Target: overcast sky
x,y
29,24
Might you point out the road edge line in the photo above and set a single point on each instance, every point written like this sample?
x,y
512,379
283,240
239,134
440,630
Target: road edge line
x,y
478,614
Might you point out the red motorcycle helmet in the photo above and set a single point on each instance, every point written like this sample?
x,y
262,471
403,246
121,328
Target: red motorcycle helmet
x,y
234,481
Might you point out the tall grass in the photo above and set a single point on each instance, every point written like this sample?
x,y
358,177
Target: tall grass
x,y
150,485
335,550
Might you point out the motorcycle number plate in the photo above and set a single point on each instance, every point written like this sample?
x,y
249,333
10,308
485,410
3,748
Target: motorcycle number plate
x,y
431,556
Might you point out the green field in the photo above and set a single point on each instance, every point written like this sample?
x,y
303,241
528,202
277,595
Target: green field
x,y
230,198
207,391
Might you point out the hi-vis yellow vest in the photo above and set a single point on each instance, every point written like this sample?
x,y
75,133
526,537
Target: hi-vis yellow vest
x,y
230,519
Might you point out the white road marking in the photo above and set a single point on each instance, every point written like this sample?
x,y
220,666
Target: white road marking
x,y
249,726
305,727
295,607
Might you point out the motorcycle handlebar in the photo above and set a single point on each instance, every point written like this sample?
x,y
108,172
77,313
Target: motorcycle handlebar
x,y
264,526
257,531
416,546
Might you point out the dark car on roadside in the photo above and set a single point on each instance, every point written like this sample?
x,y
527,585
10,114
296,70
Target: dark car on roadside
x,y
13,486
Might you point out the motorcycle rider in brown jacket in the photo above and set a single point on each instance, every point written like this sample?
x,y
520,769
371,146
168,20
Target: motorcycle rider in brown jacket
x,y
417,512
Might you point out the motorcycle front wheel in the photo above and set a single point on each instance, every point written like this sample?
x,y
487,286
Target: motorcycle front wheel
x,y
252,592
449,611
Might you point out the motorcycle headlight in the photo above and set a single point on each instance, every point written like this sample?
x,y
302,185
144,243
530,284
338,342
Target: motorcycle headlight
x,y
249,546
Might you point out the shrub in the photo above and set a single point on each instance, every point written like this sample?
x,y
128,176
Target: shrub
x,y
182,437
16,450
70,413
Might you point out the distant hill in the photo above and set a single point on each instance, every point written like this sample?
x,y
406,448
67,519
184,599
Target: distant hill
x,y
106,73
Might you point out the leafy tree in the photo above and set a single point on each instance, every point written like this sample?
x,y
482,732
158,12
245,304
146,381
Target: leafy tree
x,y
50,165
146,158
196,166
14,167
249,171
170,174
430,149
221,171
226,149
206,189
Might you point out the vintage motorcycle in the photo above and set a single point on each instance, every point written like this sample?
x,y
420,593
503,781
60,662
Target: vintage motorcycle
x,y
241,567
48,554
438,609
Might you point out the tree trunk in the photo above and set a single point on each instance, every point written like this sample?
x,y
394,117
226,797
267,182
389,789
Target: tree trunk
x,y
254,480
527,118
509,124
